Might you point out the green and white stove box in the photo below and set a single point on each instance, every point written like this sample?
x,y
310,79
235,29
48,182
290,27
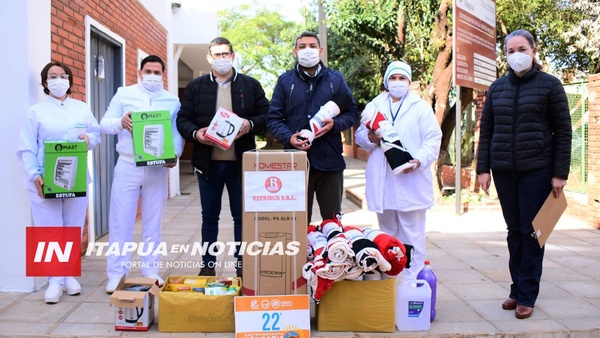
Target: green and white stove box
x,y
65,169
152,138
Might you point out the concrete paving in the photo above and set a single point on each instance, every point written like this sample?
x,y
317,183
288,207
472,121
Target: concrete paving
x,y
467,251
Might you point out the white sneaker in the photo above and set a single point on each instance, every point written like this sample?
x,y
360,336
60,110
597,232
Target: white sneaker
x,y
53,293
112,284
160,281
72,286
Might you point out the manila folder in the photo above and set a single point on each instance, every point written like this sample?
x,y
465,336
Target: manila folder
x,y
548,216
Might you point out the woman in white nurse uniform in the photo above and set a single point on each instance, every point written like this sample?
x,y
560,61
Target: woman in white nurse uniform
x,y
58,117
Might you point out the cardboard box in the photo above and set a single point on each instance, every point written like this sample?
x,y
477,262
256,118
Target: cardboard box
x,y
358,306
152,135
274,222
223,128
65,169
192,311
134,310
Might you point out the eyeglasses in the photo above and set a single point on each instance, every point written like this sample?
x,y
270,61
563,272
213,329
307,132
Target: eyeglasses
x,y
56,76
220,55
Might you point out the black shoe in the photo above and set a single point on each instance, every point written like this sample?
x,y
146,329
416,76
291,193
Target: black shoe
x,y
238,272
206,271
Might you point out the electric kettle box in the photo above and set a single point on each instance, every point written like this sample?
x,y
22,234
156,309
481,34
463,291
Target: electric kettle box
x,y
134,309
152,136
192,310
223,128
65,169
274,222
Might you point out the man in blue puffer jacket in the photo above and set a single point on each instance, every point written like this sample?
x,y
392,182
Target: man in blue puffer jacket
x,y
298,96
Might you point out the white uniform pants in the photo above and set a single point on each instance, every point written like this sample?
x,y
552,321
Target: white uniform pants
x,y
409,228
129,184
58,212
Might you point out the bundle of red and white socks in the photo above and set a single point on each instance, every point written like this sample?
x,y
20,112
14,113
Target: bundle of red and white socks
x,y
337,252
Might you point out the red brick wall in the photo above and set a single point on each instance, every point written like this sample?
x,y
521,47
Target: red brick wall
x,y
467,177
591,209
127,18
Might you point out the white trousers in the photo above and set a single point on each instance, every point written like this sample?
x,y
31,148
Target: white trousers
x,y
58,212
409,228
130,184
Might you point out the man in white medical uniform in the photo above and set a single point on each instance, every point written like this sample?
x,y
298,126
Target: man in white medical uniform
x,y
148,183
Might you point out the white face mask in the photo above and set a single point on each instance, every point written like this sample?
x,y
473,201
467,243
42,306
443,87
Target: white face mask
x,y
519,61
398,88
222,66
152,83
58,87
308,57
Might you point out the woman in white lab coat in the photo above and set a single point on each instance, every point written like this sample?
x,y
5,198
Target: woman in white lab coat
x,y
401,201
58,117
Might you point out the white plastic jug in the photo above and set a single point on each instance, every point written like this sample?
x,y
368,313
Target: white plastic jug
x,y
413,305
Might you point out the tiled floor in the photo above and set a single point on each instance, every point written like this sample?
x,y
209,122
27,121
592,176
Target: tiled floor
x,y
468,253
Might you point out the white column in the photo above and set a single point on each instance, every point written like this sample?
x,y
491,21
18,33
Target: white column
x,y
26,40
172,82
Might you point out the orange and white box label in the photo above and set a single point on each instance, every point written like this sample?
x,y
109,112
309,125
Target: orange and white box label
x,y
272,316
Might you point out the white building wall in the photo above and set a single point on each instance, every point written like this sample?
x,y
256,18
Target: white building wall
x,y
196,23
160,10
25,32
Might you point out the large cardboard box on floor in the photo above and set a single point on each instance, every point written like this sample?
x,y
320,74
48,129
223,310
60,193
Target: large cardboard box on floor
x,y
194,311
358,306
274,222
134,310
65,169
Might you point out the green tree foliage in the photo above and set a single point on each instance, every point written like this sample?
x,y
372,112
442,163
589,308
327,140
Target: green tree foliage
x,y
263,40
370,33
582,39
365,35
564,31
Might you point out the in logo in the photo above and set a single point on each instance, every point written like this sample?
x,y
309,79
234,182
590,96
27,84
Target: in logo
x,y
273,184
144,116
53,251
58,147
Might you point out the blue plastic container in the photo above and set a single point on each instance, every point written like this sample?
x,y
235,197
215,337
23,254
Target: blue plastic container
x,y
428,275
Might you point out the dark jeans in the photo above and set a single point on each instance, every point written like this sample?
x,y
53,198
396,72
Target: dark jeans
x,y
329,186
521,197
222,173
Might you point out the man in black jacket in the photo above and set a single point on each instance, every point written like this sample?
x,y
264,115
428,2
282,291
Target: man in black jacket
x,y
224,88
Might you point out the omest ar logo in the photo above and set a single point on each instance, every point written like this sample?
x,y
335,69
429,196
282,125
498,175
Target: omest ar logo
x,y
60,147
53,251
273,184
276,166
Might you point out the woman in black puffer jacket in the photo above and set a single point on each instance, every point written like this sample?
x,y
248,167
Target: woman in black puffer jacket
x,y
525,141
